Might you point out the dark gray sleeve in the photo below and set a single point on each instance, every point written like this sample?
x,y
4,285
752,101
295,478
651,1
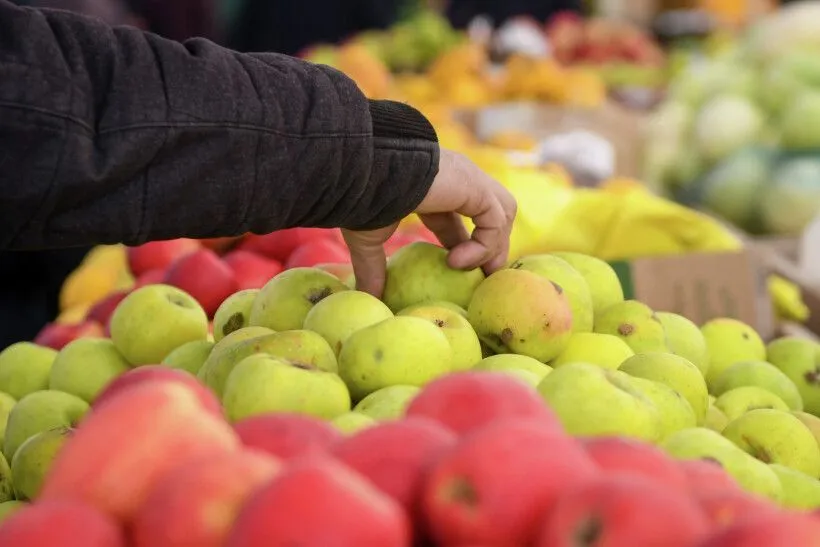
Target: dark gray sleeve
x,y
115,135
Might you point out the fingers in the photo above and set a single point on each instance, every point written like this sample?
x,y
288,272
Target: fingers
x,y
368,258
448,227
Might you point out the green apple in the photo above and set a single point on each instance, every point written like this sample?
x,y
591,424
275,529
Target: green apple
x,y
8,508
7,402
716,419
800,491
525,376
675,411
509,362
605,287
760,374
810,421
419,272
341,314
387,403
32,460
86,366
740,400
775,436
25,368
463,340
674,371
234,313
190,357
575,286
685,339
604,350
299,346
438,304
592,401
700,443
240,335
154,320
38,412
284,302
799,359
635,323
262,384
400,350
6,481
730,341
351,422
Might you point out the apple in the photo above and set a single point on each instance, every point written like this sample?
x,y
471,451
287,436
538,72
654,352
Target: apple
x,y
286,436
6,481
151,277
86,366
32,461
387,403
57,336
8,508
726,507
318,251
7,402
352,422
280,244
510,363
101,311
705,476
60,522
158,255
203,275
341,270
341,314
250,270
189,356
624,456
234,313
25,368
40,411
464,343
781,528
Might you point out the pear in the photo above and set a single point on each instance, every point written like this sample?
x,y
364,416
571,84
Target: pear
x,y
234,313
25,368
674,371
604,350
799,359
190,357
6,481
387,403
635,323
7,402
675,411
86,366
775,436
284,302
685,339
419,272
715,419
516,311
32,461
605,287
760,374
341,314
351,422
730,341
740,400
800,491
592,401
463,339
507,362
575,287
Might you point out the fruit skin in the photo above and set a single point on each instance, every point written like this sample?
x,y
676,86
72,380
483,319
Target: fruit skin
x,y
57,336
234,313
780,528
685,339
387,403
319,502
318,251
635,323
799,359
510,362
574,285
25,368
284,302
262,383
38,412
153,321
800,491
101,311
8,508
250,270
189,356
245,333
7,402
469,498
32,461
6,481
126,445
352,422
60,522
604,350
674,410
740,400
723,508
286,436
516,311
400,350
203,275
466,348
730,341
707,476
85,366
761,374
280,244
613,510
622,456
158,255
195,504
811,421
775,436
418,273
605,287
341,314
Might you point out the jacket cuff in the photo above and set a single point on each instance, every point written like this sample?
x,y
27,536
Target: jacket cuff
x,y
395,120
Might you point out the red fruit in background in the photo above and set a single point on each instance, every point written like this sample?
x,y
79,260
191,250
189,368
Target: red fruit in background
x,y
158,255
286,436
341,271
782,528
466,401
251,270
494,487
318,251
725,508
624,511
102,310
151,277
204,276
624,456
704,476
60,524
218,244
56,336
278,245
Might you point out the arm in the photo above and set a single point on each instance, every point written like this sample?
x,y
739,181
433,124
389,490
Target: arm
x,y
114,135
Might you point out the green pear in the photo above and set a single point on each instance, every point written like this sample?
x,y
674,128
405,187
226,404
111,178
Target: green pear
x,y
7,402
760,374
775,436
153,321
592,401
299,346
575,286
263,384
507,362
32,460
351,422
516,311
799,359
25,368
387,403
8,508
85,366
604,350
6,481
400,350
234,313
635,323
800,491
463,339
284,301
240,335
605,287
675,411
38,412
438,304
700,443
715,419
730,341
190,357
740,400
685,339
810,421
341,314
419,272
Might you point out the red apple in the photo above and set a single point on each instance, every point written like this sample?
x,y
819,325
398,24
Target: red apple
x,y
56,336
318,251
218,244
780,529
251,270
705,476
725,508
494,487
341,271
624,456
286,436
151,277
102,310
158,255
280,244
203,275
60,523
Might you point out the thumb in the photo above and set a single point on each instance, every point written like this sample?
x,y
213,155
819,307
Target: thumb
x,y
368,259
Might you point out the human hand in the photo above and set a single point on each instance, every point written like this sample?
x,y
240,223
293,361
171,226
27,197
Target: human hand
x,y
460,188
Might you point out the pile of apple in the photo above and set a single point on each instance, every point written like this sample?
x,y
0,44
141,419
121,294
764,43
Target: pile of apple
x,y
535,406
